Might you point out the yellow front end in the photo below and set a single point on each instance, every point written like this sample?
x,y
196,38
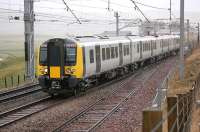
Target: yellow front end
x,y
76,70
55,72
41,69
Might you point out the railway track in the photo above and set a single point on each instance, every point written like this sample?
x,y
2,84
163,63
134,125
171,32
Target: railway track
x,y
29,109
17,93
26,110
94,115
21,112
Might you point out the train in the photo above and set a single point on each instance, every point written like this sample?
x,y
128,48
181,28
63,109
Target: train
x,y
72,64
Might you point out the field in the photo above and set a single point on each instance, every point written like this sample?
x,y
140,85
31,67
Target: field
x,y
12,62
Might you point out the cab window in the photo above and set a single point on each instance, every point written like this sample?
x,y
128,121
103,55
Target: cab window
x,y
43,56
91,56
70,56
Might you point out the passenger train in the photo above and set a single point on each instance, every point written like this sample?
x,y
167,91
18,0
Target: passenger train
x,y
72,64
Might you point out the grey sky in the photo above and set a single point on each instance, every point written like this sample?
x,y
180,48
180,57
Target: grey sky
x,y
124,6
89,9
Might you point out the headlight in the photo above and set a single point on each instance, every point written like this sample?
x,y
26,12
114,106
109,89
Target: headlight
x,y
45,70
69,71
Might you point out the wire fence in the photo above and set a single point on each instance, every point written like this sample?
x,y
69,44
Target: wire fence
x,y
161,93
176,113
12,80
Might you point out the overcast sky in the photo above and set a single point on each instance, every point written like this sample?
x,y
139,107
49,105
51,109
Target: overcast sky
x,y
99,6
95,10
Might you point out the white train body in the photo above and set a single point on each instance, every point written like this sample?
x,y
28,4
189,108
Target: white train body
x,y
105,54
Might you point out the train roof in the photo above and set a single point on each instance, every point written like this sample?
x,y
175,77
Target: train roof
x,y
106,38
90,40
83,40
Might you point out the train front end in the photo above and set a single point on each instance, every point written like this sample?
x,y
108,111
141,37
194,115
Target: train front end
x,y
60,66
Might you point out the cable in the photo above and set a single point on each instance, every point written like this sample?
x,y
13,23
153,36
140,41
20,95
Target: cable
x,y
136,7
73,10
68,8
58,18
46,15
150,6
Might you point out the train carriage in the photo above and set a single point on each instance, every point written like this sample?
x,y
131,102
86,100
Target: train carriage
x,y
65,65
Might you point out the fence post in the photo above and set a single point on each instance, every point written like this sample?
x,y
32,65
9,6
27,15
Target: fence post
x,y
18,77
151,117
171,103
24,77
189,109
12,80
5,83
180,112
185,105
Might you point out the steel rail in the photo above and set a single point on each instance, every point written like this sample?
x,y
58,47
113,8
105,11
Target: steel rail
x,y
110,112
16,93
75,117
21,112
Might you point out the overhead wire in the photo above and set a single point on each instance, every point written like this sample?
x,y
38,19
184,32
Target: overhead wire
x,y
46,15
72,5
136,7
150,6
61,18
146,5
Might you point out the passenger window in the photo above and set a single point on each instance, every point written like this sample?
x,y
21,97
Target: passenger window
x,y
149,47
124,50
146,46
112,52
153,45
107,53
143,46
116,52
127,49
91,56
103,54
138,48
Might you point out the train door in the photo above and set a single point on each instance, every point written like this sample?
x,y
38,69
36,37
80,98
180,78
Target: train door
x,y
55,57
98,58
131,51
152,47
162,43
169,42
141,49
120,54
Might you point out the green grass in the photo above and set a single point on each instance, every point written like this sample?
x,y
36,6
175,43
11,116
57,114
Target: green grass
x,y
12,53
11,67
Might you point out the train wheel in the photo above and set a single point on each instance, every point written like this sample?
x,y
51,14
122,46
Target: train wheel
x,y
52,95
76,92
